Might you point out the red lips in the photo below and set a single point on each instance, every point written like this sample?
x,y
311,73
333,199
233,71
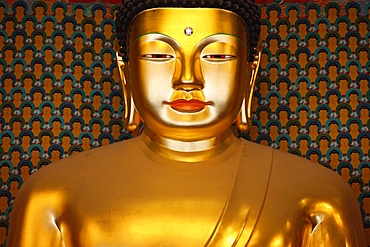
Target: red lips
x,y
183,105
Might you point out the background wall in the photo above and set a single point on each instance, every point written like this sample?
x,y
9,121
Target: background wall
x,y
60,92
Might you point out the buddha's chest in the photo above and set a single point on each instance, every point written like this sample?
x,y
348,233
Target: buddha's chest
x,y
160,210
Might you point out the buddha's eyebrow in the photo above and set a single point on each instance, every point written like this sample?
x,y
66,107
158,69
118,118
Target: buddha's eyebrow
x,y
228,34
149,34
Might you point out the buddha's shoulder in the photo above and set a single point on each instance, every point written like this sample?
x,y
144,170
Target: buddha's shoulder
x,y
291,171
91,162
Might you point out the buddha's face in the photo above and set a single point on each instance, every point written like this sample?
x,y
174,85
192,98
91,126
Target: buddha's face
x,y
343,112
293,42
303,143
188,83
342,25
35,153
48,82
45,139
86,112
313,128
363,54
59,11
66,140
333,127
283,115
67,111
364,112
343,83
25,169
344,141
36,125
39,10
323,143
69,26
274,13
302,114
26,139
332,11
322,55
365,171
312,12
76,125
49,24
352,11
79,12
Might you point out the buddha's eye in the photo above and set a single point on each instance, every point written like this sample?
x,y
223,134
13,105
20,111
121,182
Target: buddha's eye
x,y
218,56
158,56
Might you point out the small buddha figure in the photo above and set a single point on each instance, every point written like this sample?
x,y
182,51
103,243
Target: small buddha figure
x,y
69,28
59,42
354,129
59,12
363,55
283,117
25,141
36,127
79,14
35,156
303,146
352,42
313,131
293,44
77,127
108,30
365,144
322,29
88,28
344,144
303,116
333,129
346,174
355,158
323,144
363,27
356,186
353,99
29,26
333,101
66,142
85,142
342,28
352,13
9,26
293,15
332,12
88,57
186,74
79,43
322,58
39,11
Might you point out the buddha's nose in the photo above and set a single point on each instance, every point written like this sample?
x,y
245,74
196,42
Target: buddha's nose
x,y
191,77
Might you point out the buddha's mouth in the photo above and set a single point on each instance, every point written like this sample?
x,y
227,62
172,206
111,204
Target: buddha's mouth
x,y
183,105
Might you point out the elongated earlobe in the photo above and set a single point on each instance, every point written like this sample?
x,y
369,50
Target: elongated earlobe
x,y
131,117
244,119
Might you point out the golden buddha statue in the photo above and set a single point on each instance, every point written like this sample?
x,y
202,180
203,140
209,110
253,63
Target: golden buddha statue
x,y
188,74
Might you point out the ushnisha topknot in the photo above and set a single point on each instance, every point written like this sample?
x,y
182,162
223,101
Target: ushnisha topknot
x,y
246,9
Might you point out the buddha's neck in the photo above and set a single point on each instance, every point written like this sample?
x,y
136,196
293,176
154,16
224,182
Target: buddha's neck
x,y
188,151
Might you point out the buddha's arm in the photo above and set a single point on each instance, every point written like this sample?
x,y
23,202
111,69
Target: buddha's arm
x,y
337,224
34,220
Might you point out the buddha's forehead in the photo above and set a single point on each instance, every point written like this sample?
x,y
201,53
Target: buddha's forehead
x,y
172,22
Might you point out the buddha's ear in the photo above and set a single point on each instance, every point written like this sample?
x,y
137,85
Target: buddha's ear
x,y
131,118
244,119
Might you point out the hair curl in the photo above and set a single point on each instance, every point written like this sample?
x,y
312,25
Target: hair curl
x,y
246,9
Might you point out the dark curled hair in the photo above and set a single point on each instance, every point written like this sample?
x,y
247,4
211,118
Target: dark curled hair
x,y
246,9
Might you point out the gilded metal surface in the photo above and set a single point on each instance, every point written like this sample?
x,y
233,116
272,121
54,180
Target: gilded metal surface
x,y
186,181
